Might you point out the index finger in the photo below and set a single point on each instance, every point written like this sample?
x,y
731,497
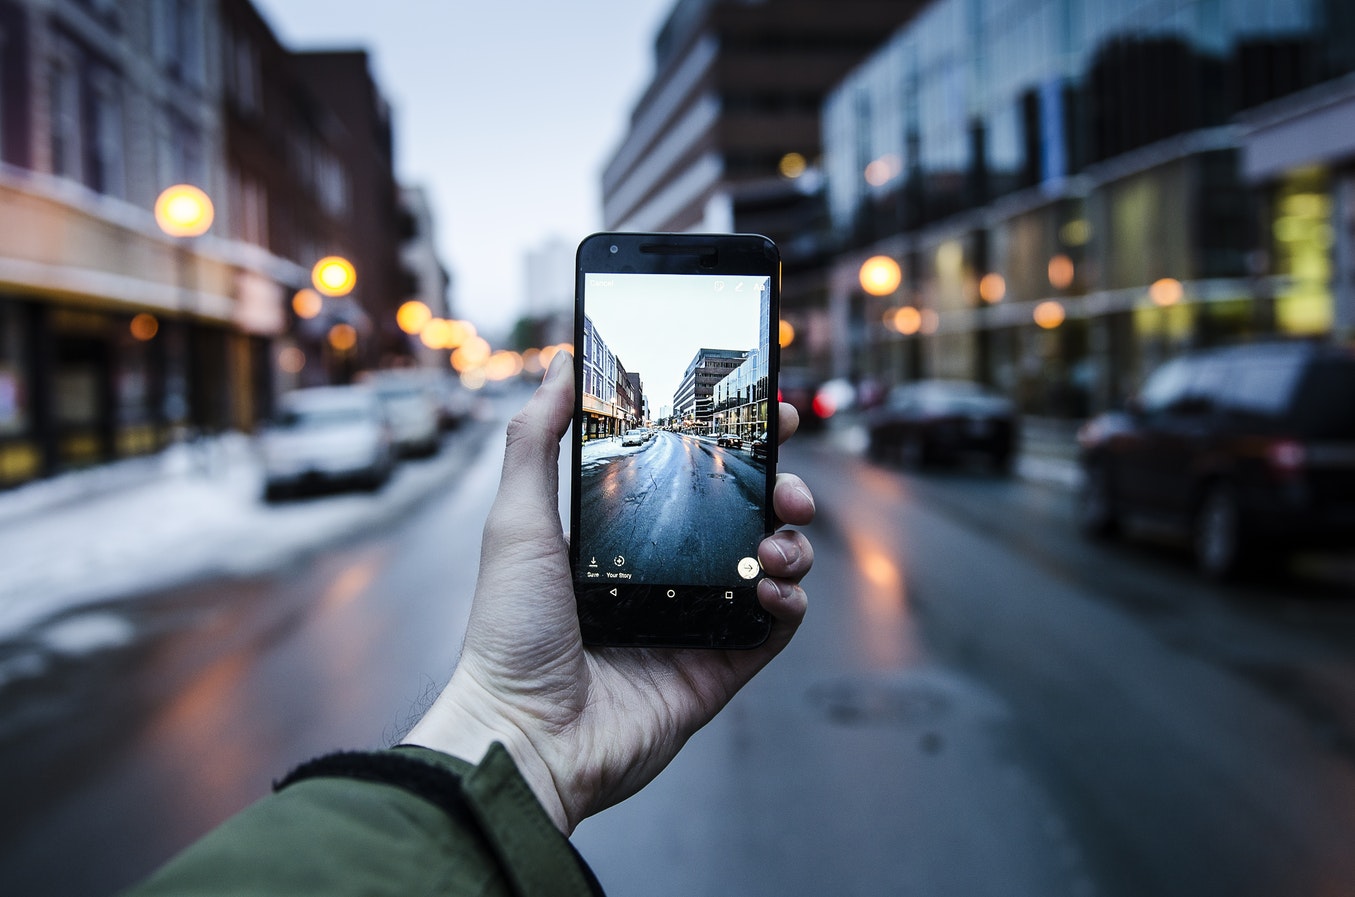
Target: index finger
x,y
788,421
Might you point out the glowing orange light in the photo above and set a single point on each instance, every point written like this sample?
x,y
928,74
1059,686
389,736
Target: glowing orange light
x,y
473,354
334,276
786,334
880,275
292,360
792,165
144,327
1165,292
1049,314
458,334
474,378
1061,272
436,333
531,361
307,303
184,211
906,320
992,288
411,316
503,365
343,337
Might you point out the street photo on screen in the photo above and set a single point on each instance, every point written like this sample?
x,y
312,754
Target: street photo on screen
x,y
674,428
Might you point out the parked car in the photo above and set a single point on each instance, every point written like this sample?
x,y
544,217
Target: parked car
x,y
939,421
323,436
633,437
1247,450
729,440
758,447
412,407
455,403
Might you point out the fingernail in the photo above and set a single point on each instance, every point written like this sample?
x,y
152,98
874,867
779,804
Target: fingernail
x,y
805,492
789,555
557,366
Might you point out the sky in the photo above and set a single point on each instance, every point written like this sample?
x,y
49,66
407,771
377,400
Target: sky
x,y
505,111
654,325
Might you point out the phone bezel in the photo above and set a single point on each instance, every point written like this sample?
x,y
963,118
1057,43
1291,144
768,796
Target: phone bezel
x,y
643,615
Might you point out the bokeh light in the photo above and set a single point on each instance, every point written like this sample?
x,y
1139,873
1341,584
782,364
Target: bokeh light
x,y
1049,314
334,276
307,303
792,165
906,320
411,316
343,337
992,288
880,275
1061,272
144,327
184,211
436,333
474,353
1166,291
292,360
786,334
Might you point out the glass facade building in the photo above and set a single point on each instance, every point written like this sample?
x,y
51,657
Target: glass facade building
x,y
1010,154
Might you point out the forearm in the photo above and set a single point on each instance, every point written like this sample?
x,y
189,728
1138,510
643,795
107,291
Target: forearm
x,y
336,835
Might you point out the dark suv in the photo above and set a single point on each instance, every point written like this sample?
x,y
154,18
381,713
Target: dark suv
x,y
1248,449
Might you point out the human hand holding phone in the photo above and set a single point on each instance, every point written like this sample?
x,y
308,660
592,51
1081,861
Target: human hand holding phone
x,y
588,727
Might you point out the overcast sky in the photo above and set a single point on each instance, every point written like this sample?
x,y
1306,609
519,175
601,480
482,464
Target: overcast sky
x,y
506,111
654,325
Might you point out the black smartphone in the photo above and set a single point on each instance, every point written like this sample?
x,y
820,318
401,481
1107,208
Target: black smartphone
x,y
674,438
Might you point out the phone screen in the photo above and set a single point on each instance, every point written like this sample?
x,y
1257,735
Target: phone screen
x,y
673,455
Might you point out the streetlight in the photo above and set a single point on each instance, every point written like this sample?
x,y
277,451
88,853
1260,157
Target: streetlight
x,y
183,212
880,275
334,276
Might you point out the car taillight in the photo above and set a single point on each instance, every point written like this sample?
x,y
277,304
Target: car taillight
x,y
1286,456
823,407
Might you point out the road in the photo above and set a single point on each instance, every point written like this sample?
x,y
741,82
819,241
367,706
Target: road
x,y
649,512
978,703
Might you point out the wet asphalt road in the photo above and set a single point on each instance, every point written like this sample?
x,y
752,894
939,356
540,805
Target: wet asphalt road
x,y
978,703
650,513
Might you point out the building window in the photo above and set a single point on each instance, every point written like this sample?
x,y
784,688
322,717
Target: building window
x,y
180,157
64,103
107,164
177,39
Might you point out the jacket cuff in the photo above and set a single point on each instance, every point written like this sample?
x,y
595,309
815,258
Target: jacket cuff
x,y
534,854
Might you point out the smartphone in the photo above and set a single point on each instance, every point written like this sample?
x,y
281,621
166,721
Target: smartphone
x,y
674,437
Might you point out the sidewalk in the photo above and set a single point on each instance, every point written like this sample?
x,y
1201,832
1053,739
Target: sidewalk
x,y
127,528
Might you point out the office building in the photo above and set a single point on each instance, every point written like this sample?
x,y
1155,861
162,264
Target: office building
x,y
726,136
1076,190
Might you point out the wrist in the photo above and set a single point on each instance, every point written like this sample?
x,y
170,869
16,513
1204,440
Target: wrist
x,y
464,722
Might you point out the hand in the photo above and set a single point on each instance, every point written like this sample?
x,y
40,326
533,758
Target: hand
x,y
587,727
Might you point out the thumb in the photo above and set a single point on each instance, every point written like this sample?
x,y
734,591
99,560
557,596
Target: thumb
x,y
531,473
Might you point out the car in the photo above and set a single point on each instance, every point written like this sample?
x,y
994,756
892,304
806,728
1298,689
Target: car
x,y
729,440
942,421
633,437
412,406
1247,451
326,436
758,447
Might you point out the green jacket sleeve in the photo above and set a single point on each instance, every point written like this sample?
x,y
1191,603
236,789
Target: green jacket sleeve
x,y
335,836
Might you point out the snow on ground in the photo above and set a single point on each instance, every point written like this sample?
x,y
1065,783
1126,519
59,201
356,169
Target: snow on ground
x,y
603,451
153,522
